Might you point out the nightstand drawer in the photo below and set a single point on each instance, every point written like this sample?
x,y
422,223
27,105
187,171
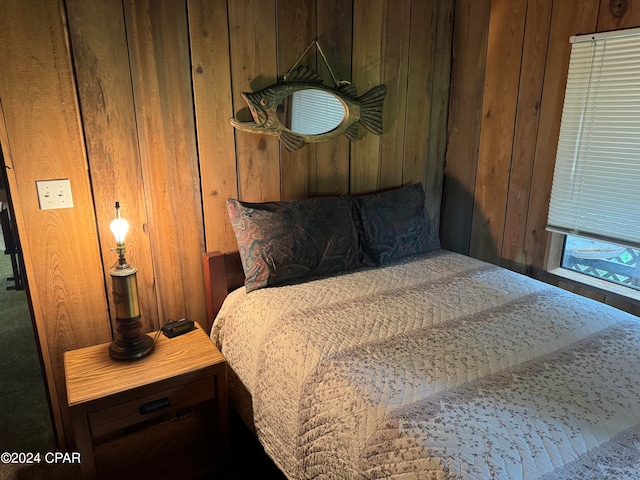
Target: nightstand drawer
x,y
142,409
163,416
183,448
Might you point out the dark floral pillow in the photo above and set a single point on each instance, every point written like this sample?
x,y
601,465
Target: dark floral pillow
x,y
393,225
285,242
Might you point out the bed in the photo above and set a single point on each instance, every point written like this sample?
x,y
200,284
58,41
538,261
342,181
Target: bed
x,y
420,362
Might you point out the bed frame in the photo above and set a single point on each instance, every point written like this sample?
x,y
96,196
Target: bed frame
x,y
222,273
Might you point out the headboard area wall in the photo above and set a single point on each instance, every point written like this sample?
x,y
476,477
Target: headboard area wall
x,y
131,101
405,45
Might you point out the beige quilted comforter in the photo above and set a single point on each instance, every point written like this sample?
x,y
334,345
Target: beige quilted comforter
x,y
440,367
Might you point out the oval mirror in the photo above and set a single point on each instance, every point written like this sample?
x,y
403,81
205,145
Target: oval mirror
x,y
311,112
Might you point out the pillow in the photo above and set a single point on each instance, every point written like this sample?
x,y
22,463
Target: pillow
x,y
285,242
394,224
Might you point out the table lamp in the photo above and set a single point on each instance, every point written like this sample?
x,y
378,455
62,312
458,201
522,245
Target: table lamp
x,y
129,342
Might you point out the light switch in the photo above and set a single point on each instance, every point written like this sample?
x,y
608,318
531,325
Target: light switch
x,y
54,194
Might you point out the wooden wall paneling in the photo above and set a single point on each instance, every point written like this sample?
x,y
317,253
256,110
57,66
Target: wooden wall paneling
x,y
211,72
296,28
367,72
334,31
567,19
506,33
108,117
397,30
465,111
534,55
43,130
440,90
159,49
618,15
623,304
581,290
252,26
423,28
32,294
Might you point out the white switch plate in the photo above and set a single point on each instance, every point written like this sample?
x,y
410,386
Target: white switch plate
x,y
54,194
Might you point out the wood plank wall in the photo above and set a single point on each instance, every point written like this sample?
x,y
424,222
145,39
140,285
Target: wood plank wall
x,y
44,140
131,101
507,89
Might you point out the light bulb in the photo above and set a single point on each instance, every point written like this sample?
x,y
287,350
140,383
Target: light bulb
x,y
119,227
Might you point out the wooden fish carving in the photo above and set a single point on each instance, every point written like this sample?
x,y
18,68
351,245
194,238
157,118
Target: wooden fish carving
x,y
266,104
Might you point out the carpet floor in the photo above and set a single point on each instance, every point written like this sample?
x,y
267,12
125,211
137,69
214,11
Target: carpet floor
x,y
25,421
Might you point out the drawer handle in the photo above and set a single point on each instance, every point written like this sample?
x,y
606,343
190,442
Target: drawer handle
x,y
154,405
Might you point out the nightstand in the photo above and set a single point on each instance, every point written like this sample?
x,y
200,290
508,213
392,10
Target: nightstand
x,y
163,416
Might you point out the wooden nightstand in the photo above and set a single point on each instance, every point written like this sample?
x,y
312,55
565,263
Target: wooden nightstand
x,y
163,416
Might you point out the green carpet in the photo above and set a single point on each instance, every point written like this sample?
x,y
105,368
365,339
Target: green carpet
x,y
25,422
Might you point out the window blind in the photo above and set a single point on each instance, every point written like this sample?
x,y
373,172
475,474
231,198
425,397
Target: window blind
x,y
315,112
596,182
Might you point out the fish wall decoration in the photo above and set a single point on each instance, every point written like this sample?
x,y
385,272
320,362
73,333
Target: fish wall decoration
x,y
274,109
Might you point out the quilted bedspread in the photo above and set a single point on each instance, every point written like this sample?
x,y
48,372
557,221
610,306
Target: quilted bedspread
x,y
442,366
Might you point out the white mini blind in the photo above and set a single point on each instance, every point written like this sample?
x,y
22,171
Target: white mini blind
x,y
315,112
596,182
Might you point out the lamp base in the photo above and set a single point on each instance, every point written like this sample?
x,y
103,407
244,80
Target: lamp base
x,y
130,343
119,350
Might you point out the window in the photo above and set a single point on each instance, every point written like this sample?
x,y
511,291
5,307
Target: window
x,y
608,261
595,197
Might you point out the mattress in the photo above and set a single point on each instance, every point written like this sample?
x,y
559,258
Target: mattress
x,y
441,366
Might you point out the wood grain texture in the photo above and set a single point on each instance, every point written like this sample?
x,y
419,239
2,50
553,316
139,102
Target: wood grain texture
x,y
397,30
38,319
108,116
334,30
160,64
167,450
567,19
419,98
623,304
223,273
534,54
127,413
618,19
367,72
211,71
252,29
581,290
43,131
506,32
106,397
465,112
215,291
92,375
298,21
440,88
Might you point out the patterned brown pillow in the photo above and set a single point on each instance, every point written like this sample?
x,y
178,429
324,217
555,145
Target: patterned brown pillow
x,y
288,242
